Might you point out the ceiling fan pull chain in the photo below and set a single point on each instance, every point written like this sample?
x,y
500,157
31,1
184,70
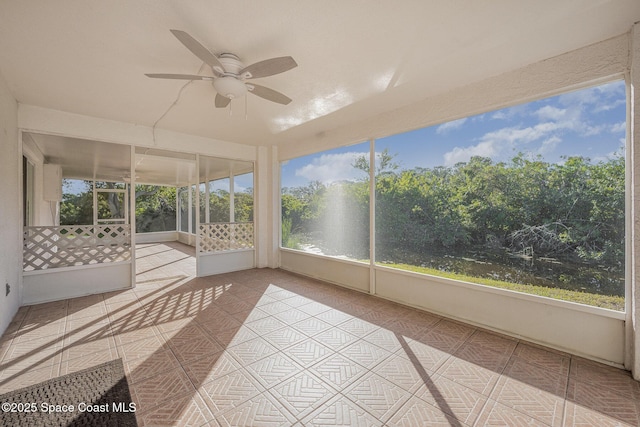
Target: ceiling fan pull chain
x,y
246,108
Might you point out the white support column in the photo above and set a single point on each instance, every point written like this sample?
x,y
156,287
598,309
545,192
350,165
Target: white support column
x,y
132,213
275,208
207,197
263,210
191,206
197,214
633,314
372,216
232,197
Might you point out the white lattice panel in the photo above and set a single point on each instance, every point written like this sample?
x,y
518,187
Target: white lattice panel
x,y
226,236
71,245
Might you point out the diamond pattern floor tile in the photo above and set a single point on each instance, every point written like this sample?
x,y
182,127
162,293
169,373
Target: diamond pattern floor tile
x,y
265,347
338,371
229,391
251,351
416,412
340,411
534,402
259,411
610,404
302,393
495,414
273,370
377,396
452,398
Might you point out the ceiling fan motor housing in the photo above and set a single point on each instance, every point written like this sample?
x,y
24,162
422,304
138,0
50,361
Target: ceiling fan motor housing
x,y
230,87
231,64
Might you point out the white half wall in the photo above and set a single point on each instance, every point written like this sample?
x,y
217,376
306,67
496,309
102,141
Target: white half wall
x,y
591,332
350,274
225,262
10,207
157,237
71,282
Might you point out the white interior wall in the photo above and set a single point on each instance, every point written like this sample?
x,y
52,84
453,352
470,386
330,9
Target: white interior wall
x,y
10,207
42,209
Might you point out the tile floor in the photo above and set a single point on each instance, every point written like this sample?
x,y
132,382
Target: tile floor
x,y
265,347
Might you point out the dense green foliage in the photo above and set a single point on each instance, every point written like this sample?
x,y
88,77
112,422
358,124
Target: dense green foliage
x,y
155,208
155,205
572,211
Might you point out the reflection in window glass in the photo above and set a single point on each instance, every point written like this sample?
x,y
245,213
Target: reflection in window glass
x,y
325,203
243,197
530,198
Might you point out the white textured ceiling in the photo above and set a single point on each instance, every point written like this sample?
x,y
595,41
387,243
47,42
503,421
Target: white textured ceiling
x,y
356,58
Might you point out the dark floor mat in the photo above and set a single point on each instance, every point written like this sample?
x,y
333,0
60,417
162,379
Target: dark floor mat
x,y
99,396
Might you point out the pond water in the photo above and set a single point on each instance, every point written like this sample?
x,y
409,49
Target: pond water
x,y
549,272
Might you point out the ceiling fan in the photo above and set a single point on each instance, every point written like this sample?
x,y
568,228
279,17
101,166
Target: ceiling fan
x,y
230,74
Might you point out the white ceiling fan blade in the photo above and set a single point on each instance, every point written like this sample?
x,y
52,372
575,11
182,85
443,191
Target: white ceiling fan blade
x,y
268,67
178,76
268,94
199,50
221,101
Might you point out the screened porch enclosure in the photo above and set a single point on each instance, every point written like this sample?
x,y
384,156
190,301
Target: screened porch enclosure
x,y
93,201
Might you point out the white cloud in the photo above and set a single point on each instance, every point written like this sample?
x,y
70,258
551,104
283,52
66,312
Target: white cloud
x,y
551,113
511,112
449,126
330,168
458,154
549,145
618,127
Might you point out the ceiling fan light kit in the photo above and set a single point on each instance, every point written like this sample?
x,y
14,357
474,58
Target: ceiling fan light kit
x,y
230,87
230,74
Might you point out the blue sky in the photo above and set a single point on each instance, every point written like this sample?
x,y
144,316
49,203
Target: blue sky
x,y
589,122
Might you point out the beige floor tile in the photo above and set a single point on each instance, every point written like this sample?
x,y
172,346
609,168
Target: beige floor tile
x,y
417,412
340,411
185,410
452,399
379,397
210,367
266,347
338,371
602,400
145,367
163,387
230,391
261,410
273,370
495,414
13,379
408,374
475,377
302,393
535,402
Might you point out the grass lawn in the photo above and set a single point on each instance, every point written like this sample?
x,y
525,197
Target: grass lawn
x,y
604,301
